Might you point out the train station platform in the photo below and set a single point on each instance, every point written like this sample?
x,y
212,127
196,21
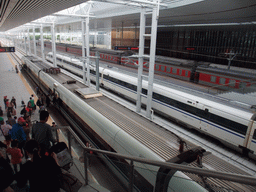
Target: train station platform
x,y
13,84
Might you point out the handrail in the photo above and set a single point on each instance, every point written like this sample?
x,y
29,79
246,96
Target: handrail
x,y
250,180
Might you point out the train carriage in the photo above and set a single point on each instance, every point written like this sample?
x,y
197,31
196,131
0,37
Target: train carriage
x,y
230,124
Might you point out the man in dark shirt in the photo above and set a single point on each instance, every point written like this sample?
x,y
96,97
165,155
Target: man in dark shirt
x,y
42,132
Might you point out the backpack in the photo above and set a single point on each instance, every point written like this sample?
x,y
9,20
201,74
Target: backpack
x,y
38,103
23,111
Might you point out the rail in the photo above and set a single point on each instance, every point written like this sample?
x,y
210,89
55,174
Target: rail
x,y
73,140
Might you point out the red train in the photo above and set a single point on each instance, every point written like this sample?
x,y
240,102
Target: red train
x,y
199,72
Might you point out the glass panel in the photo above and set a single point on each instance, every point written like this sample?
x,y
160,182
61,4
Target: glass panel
x,y
162,68
232,83
254,135
242,84
157,67
174,70
168,69
222,80
180,72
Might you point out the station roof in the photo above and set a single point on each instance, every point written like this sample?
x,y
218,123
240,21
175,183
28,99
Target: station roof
x,y
127,12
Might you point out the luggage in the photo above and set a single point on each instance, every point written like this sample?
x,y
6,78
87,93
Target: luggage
x,y
64,158
69,182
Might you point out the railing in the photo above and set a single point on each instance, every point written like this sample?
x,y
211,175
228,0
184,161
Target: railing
x,y
81,154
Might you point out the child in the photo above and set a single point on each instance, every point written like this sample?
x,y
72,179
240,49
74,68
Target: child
x,y
16,154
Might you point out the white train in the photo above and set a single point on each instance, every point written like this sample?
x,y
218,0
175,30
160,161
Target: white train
x,y
232,125
118,139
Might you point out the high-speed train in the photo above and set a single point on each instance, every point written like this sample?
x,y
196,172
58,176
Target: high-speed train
x,y
232,125
204,73
118,139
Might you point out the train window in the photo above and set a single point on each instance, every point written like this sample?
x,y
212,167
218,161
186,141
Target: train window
x,y
213,79
186,73
237,127
222,81
180,72
242,84
145,91
168,69
254,135
157,67
232,83
162,68
174,70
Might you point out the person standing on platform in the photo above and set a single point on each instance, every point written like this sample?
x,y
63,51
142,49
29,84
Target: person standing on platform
x,y
42,132
5,128
18,132
31,104
32,97
5,102
39,102
48,101
1,112
27,128
11,121
13,101
16,155
23,111
7,176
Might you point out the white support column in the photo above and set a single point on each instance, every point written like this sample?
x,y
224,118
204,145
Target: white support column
x,y
71,37
19,39
88,50
42,42
25,42
83,49
152,59
107,37
34,40
29,43
95,33
141,53
54,45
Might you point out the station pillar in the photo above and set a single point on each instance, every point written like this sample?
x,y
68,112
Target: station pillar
x,y
34,40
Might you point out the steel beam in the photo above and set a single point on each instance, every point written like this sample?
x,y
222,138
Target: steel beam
x,y
152,59
54,45
141,53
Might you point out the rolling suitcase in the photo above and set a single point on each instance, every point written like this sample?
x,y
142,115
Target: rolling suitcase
x,y
64,158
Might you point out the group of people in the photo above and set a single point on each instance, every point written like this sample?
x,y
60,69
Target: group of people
x,y
30,108
40,168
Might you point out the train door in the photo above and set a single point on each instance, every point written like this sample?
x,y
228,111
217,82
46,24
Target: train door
x,y
196,78
204,125
250,138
